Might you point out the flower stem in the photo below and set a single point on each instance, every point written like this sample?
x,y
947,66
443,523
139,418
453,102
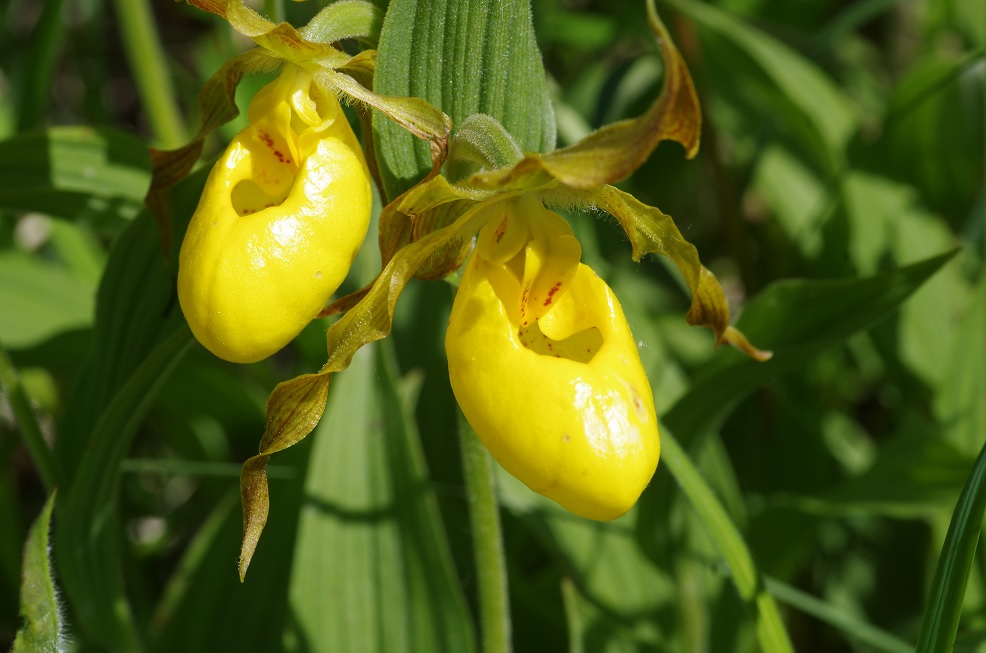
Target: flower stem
x,y
274,10
149,66
484,518
30,431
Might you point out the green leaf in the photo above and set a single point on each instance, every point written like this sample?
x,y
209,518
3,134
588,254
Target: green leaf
x,y
27,424
204,607
370,536
960,406
745,574
76,173
138,337
42,629
944,606
824,112
614,576
464,58
39,300
591,629
886,220
913,475
87,541
934,129
796,319
796,196
836,616
480,143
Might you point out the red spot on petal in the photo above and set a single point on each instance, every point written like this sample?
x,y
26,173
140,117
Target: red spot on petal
x,y
500,230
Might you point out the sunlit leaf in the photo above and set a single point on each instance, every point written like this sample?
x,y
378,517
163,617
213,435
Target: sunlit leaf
x,y
796,319
960,404
39,300
465,58
369,535
744,571
78,173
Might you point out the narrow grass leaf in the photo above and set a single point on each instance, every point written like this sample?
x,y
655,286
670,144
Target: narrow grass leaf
x,y
944,606
746,575
854,627
27,423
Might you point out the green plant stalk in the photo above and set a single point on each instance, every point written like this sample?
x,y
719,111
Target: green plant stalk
x,y
484,519
44,461
941,616
150,71
747,578
274,10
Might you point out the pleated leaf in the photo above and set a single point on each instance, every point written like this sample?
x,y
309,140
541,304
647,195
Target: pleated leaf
x,y
464,58
372,569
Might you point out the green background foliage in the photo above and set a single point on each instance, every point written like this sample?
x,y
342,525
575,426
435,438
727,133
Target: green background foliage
x,y
838,196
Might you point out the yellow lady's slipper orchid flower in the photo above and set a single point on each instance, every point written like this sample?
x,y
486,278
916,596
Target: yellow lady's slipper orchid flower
x,y
545,369
280,220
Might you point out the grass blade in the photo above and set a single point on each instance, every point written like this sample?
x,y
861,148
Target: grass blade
x,y
852,626
746,576
941,616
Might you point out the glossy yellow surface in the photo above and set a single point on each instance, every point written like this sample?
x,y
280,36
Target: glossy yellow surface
x,y
562,402
282,215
